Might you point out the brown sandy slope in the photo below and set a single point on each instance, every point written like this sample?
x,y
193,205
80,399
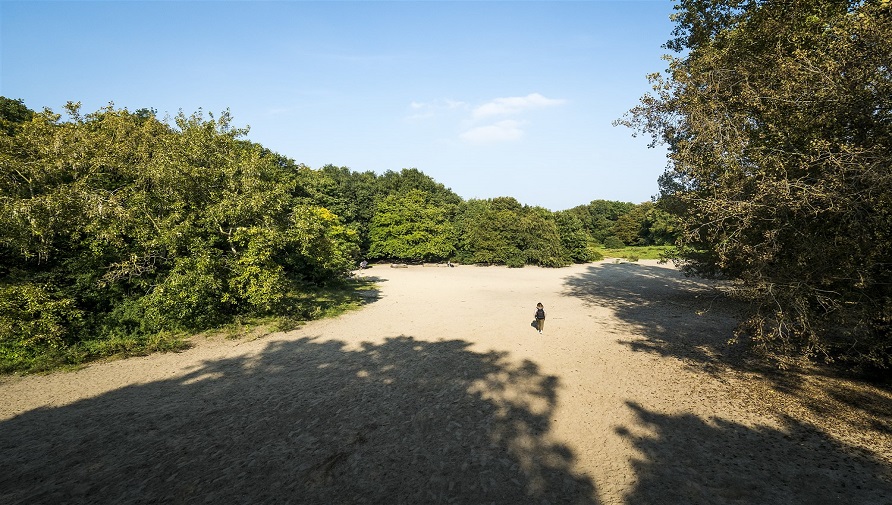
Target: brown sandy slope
x,y
439,391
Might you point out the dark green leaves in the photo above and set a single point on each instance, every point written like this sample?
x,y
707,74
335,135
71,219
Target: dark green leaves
x,y
777,118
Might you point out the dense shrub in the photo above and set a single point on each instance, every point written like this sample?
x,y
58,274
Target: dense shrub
x,y
116,228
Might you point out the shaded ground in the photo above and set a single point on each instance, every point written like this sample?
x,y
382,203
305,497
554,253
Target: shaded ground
x,y
690,320
439,392
401,422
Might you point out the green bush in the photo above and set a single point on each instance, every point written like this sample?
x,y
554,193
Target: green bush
x,y
34,322
613,242
516,261
594,254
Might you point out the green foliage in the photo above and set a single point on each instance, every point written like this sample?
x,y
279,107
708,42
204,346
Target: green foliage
x,y
777,119
410,226
613,242
351,196
574,239
408,179
127,228
502,231
633,224
594,253
12,114
33,321
634,253
600,216
544,245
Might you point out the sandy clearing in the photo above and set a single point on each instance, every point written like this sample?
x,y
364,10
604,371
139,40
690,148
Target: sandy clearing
x,y
439,391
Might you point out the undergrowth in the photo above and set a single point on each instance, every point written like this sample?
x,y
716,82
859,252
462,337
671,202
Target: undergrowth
x,y
325,303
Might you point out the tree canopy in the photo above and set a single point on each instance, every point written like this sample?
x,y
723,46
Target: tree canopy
x,y
778,121
116,224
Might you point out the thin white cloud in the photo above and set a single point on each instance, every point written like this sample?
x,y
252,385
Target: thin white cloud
x,y
502,131
430,109
514,105
483,126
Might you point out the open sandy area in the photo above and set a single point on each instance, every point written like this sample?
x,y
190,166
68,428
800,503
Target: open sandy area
x,y
439,391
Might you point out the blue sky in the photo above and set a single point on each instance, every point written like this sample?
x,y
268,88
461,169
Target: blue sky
x,y
490,98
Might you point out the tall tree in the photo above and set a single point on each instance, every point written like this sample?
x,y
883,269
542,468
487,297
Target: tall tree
x,y
574,239
114,223
407,179
352,195
13,113
411,226
778,120
600,216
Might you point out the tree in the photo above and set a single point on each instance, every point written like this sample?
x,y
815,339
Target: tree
x,y
502,231
659,225
407,179
778,120
630,227
114,224
489,232
351,195
600,216
13,113
411,227
574,239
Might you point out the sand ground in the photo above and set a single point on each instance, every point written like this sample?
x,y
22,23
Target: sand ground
x,y
439,391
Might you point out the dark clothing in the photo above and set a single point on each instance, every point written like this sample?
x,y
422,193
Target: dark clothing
x,y
540,319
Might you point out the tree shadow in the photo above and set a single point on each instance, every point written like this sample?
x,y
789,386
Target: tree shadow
x,y
365,287
673,315
684,459
305,421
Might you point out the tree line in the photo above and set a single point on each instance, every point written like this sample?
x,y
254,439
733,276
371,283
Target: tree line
x,y
118,230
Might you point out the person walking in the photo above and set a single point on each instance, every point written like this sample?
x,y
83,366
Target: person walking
x,y
540,317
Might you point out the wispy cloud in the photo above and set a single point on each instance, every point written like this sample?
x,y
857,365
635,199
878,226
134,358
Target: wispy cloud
x,y
429,109
501,131
484,124
514,105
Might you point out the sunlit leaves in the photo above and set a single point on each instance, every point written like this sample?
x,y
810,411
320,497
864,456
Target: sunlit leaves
x,y
146,226
409,226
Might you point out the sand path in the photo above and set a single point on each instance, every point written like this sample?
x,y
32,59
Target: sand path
x,y
439,391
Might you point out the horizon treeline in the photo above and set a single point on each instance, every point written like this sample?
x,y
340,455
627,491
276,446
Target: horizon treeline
x,y
119,230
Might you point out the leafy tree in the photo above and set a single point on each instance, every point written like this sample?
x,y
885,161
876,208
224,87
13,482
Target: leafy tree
x,y
123,226
659,225
543,242
630,227
574,239
600,216
778,120
644,224
502,231
351,195
408,179
411,227
614,242
13,113
490,232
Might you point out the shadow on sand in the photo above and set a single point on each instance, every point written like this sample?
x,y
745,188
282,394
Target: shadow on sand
x,y
676,316
305,421
685,459
689,459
